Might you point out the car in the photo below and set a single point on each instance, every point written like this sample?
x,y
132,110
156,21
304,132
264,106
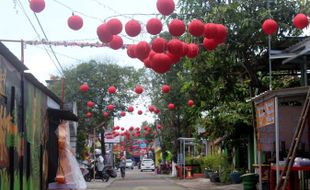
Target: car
x,y
129,163
147,164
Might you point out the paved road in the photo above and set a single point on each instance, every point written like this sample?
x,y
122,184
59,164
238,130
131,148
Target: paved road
x,y
136,180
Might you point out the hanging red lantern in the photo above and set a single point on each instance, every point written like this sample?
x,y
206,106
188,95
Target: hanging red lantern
x,y
300,21
88,114
196,28
147,62
221,33
269,26
146,133
131,51
110,107
105,114
190,103
90,104
161,63
112,90
156,111
151,108
84,87
104,34
210,30
37,5
130,109
165,88
170,106
123,113
173,58
165,7
159,45
154,133
131,128
138,89
158,127
122,128
184,49
193,50
116,42
140,112
209,44
175,47
75,22
176,27
132,28
115,26
154,26
142,50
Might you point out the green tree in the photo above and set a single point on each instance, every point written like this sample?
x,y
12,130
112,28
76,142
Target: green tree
x,y
98,76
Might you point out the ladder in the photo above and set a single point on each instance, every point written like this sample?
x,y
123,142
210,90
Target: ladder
x,y
294,145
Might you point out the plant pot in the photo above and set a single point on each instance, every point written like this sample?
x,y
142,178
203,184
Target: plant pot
x,y
214,177
249,181
235,177
207,173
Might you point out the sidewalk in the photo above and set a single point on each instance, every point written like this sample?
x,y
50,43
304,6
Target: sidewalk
x,y
203,184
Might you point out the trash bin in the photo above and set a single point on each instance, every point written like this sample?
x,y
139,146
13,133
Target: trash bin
x,y
249,181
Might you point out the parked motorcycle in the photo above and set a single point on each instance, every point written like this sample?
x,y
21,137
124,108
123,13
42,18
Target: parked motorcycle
x,y
88,170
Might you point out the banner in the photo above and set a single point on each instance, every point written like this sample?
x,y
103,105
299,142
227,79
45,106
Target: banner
x,y
265,113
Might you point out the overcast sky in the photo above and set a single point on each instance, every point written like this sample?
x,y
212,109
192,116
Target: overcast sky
x,y
53,18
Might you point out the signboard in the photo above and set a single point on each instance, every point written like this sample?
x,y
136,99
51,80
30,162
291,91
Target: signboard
x,y
109,138
265,113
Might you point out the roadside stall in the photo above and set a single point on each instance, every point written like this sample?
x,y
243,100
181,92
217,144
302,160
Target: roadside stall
x,y
277,115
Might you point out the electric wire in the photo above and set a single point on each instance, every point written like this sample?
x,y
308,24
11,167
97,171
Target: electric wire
x,y
37,33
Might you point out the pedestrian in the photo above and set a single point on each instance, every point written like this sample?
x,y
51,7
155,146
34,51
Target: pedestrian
x,y
122,166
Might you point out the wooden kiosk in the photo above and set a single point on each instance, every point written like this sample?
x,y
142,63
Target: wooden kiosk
x,y
277,115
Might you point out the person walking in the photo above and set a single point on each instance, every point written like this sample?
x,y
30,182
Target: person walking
x,y
122,166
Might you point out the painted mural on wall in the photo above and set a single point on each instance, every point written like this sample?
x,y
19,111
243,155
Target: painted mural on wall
x,y
36,126
11,149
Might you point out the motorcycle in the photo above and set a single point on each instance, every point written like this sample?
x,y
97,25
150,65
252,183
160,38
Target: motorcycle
x,y
88,170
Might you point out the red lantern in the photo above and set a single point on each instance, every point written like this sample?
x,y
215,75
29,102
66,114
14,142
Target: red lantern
x,y
140,112
158,127
104,34
196,28
173,58
147,62
161,63
131,128
175,47
165,7
193,50
300,21
190,103
210,30
159,45
209,44
154,133
221,33
154,26
151,108
122,128
37,5
84,87
88,114
131,51
142,50
111,107
184,49
176,27
90,104
270,26
112,90
130,109
116,43
165,88
75,22
138,89
132,28
156,110
123,113
171,106
115,26
105,114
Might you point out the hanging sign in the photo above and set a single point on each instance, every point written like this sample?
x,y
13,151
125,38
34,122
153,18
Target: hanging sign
x,y
265,113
